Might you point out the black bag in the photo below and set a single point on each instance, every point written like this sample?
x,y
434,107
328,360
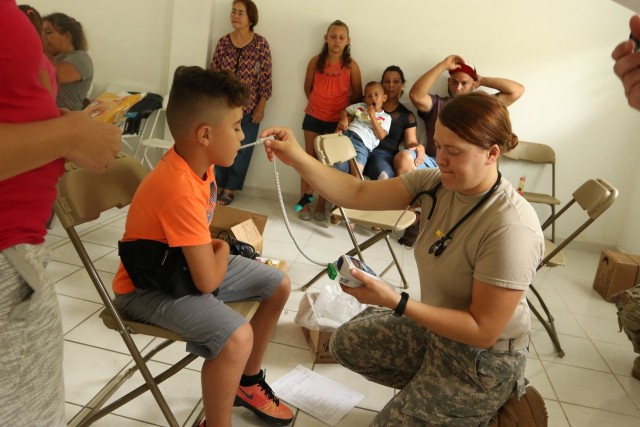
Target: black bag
x,y
238,247
154,265
141,110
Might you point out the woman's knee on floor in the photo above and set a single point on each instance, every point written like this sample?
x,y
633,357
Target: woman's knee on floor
x,y
344,347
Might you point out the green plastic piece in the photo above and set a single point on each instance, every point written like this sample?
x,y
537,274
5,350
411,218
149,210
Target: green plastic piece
x,y
332,272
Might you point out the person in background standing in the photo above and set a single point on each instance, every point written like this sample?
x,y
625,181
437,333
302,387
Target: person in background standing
x,y
47,69
247,55
35,139
331,84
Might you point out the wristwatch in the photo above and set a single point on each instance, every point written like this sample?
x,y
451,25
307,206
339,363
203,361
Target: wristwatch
x,y
402,305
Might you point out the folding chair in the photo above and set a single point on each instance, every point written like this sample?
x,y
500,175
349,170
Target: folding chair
x,y
152,137
595,196
337,148
82,196
129,141
540,154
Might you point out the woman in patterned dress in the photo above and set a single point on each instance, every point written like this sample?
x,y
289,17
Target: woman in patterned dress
x,y
247,55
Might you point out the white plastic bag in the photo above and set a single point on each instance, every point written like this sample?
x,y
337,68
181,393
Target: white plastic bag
x,y
327,309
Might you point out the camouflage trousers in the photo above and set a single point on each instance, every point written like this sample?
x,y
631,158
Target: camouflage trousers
x,y
31,343
440,382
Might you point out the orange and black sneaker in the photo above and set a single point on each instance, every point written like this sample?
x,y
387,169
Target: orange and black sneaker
x,y
260,399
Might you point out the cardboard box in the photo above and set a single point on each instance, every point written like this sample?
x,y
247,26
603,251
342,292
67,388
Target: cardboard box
x,y
244,225
616,272
318,342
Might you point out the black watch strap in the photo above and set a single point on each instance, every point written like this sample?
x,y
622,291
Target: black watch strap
x,y
402,305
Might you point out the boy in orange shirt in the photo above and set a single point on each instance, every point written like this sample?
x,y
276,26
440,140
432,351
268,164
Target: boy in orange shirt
x,y
174,205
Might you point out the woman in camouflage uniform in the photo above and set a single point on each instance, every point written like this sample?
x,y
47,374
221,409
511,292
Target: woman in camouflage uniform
x,y
457,353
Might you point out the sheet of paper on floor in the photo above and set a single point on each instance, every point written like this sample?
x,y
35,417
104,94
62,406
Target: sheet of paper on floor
x,y
317,395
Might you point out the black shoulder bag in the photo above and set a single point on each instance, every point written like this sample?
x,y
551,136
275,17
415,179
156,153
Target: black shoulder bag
x,y
238,247
154,265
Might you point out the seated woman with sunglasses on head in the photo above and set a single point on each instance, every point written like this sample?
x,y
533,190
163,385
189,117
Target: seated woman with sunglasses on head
x,y
458,353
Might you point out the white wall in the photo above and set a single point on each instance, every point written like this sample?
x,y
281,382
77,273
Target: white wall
x,y
127,39
560,51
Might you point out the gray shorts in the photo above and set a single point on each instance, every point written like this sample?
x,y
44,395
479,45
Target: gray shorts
x,y
441,382
204,321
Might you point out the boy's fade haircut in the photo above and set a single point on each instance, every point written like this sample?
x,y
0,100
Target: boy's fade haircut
x,y
195,92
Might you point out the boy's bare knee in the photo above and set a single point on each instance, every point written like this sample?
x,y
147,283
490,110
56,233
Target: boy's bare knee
x,y
240,342
281,294
285,285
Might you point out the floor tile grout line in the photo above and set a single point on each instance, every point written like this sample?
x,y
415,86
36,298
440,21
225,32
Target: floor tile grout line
x,y
548,377
599,409
142,351
83,320
84,407
66,240
608,371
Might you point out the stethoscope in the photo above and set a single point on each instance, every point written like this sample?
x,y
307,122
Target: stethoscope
x,y
439,246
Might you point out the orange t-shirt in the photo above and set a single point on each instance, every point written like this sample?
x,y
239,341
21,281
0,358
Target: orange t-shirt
x,y
331,92
173,206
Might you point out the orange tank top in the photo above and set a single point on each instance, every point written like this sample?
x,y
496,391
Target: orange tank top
x,y
330,94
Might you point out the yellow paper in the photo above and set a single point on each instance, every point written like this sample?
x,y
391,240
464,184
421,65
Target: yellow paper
x,y
110,107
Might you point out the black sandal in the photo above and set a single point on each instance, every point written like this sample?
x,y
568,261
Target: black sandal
x,y
226,198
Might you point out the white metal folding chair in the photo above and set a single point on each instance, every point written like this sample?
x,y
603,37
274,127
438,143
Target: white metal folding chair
x,y
82,196
337,148
130,141
153,138
595,196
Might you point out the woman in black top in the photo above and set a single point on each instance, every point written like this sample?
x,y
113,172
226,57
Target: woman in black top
x,y
380,164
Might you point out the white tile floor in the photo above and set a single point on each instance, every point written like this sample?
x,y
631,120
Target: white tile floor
x,y
590,386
